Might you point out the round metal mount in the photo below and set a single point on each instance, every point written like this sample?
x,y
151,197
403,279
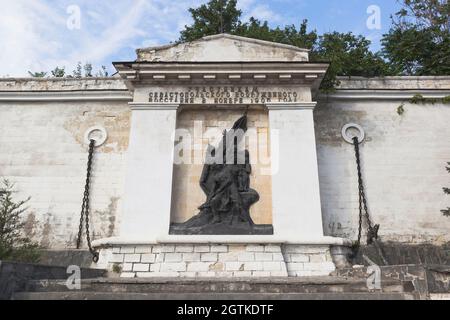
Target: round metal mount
x,y
349,139
93,134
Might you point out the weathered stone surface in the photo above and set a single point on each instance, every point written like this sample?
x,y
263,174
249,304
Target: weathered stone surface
x,y
141,267
251,260
394,144
223,47
148,258
387,83
404,254
67,257
173,257
132,257
223,297
249,288
62,84
62,111
14,277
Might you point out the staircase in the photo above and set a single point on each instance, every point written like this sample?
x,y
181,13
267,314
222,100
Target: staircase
x,y
311,288
20,281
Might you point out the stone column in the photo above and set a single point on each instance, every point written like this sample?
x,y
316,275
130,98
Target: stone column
x,y
296,212
148,185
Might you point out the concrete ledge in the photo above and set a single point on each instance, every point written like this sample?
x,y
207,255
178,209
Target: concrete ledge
x,y
76,96
222,239
383,94
14,276
61,84
291,106
395,83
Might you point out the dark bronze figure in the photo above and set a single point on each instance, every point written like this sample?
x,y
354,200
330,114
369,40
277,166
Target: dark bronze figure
x,y
226,183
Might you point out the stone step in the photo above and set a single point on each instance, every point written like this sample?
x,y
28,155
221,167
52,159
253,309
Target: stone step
x,y
222,286
15,276
66,257
81,295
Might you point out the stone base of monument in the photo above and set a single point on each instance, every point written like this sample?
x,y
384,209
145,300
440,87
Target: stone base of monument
x,y
312,288
223,228
218,261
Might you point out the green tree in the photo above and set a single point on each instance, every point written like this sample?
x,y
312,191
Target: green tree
x,y
447,191
81,70
59,72
78,72
102,73
41,74
217,16
257,29
418,42
88,70
13,245
349,55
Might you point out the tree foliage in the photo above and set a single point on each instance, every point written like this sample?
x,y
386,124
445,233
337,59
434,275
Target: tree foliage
x,y
81,70
349,54
447,191
40,74
14,246
217,16
257,29
418,42
59,72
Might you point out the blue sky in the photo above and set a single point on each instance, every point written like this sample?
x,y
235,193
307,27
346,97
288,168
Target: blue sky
x,y
41,34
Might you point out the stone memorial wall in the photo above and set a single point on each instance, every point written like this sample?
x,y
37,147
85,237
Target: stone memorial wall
x,y
303,172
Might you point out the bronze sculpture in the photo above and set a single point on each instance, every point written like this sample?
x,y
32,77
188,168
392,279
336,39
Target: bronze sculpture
x,y
226,183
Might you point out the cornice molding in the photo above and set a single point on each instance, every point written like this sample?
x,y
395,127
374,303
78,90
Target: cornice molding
x,y
64,96
292,106
162,73
383,94
152,106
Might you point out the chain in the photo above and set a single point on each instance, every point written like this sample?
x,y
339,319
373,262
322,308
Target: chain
x,y
372,231
85,207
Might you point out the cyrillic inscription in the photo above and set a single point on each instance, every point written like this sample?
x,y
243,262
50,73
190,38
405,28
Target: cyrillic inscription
x,y
223,95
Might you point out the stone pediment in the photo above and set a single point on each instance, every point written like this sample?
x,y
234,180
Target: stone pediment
x,y
224,48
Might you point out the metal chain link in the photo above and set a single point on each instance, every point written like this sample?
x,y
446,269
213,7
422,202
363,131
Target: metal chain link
x,y
85,207
372,231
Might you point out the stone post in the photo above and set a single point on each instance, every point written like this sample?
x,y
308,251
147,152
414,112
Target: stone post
x,y
295,181
148,185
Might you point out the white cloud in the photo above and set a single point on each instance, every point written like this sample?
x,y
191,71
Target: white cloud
x,y
264,13
245,5
34,36
251,8
23,29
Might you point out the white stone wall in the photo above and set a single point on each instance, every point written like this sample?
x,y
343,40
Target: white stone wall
x,y
403,159
209,260
42,151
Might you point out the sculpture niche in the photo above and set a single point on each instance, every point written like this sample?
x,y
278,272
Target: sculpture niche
x,y
226,183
